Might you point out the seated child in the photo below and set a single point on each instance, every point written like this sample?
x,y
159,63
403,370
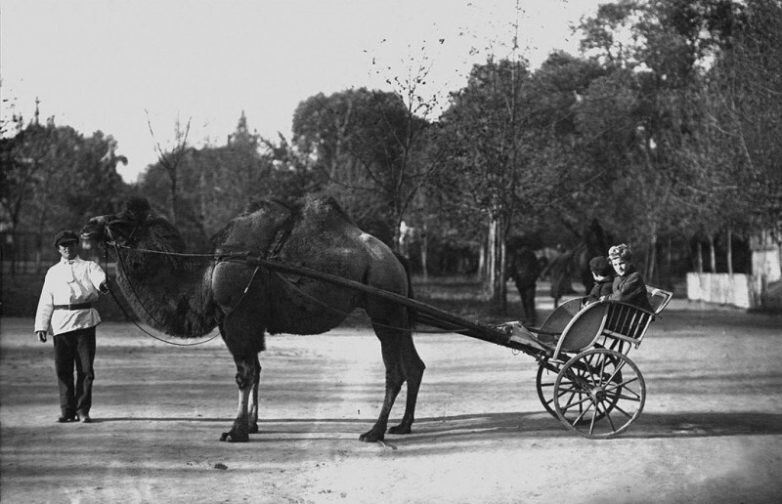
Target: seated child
x,y
603,274
629,286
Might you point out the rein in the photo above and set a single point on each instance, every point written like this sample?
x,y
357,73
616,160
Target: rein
x,y
121,262
247,257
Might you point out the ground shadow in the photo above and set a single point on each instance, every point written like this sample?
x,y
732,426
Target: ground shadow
x,y
530,424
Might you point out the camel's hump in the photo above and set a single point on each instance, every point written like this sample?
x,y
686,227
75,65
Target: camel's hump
x,y
323,208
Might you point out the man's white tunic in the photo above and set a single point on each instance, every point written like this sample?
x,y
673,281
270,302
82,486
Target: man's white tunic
x,y
69,283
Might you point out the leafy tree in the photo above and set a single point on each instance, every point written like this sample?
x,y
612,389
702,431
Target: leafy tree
x,y
486,160
366,144
745,103
54,178
656,52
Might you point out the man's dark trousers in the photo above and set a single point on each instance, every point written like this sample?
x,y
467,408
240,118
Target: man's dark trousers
x,y
75,347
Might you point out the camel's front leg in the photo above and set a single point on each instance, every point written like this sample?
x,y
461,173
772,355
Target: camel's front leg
x,y
252,421
245,370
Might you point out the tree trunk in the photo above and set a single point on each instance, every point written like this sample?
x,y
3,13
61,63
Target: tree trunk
x,y
730,251
698,257
482,262
669,264
651,260
502,285
491,262
173,198
712,255
497,283
424,250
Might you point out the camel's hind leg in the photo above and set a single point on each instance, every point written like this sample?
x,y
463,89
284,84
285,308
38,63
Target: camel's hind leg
x,y
412,371
240,430
245,351
402,364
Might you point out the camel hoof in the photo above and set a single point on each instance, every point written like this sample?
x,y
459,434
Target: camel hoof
x,y
400,429
233,437
371,436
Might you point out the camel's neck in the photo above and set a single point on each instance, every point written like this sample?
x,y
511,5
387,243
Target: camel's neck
x,y
172,294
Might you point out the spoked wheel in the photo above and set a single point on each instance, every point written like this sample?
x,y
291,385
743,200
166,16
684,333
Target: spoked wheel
x,y
545,382
599,393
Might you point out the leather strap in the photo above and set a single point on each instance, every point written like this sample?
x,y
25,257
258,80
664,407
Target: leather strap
x,y
76,306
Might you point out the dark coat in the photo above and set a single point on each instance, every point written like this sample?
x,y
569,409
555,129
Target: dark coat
x,y
524,268
600,289
630,288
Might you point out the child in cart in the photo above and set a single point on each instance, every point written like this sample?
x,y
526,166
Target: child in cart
x,y
603,273
629,286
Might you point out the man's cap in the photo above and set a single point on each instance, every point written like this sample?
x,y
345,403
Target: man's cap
x,y
66,236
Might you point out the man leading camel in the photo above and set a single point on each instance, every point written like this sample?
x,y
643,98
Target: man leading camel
x,y
66,308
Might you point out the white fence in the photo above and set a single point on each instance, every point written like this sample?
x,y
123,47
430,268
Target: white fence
x,y
743,291
722,288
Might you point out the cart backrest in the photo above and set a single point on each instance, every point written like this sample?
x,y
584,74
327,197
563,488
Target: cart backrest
x,y
558,320
584,328
629,323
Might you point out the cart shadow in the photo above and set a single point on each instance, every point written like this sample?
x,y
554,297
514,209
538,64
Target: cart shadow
x,y
647,426
697,424
502,425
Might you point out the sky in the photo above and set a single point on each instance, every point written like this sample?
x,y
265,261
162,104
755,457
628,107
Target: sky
x,y
125,67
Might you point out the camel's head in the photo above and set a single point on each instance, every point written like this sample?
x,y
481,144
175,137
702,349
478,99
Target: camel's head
x,y
121,228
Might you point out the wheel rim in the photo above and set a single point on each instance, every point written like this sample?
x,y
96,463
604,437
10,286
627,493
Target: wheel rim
x,y
545,382
599,393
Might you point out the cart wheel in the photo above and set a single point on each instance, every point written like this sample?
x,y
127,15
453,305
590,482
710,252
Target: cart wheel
x,y
545,382
599,393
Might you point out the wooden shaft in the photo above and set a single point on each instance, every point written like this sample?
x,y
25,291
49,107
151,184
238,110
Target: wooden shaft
x,y
425,313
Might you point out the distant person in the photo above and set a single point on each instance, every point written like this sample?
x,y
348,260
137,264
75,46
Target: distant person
x,y
66,308
603,274
524,269
629,286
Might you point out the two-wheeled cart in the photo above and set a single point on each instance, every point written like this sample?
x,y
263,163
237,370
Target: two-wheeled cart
x,y
585,377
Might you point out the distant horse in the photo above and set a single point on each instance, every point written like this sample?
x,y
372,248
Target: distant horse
x,y
524,267
574,263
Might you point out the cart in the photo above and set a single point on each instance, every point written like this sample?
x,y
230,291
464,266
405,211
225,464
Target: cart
x,y
585,378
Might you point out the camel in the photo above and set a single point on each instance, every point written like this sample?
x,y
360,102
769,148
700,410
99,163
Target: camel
x,y
188,295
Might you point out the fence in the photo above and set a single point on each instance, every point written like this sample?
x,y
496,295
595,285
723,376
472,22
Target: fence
x,y
737,289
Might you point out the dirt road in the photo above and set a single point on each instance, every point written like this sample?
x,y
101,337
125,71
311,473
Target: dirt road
x,y
711,431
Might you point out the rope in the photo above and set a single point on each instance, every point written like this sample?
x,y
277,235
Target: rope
x,y
244,255
138,299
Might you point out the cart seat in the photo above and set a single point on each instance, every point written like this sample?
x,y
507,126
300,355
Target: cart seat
x,y
573,327
558,320
584,328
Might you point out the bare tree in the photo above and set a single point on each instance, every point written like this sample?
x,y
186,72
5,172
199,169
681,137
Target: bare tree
x,y
171,159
